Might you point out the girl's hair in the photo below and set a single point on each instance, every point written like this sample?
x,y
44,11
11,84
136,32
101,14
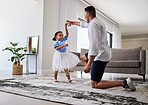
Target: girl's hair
x,y
54,38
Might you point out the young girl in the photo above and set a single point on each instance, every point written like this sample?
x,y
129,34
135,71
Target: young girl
x,y
63,60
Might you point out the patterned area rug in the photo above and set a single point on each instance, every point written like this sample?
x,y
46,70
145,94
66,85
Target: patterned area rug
x,y
75,93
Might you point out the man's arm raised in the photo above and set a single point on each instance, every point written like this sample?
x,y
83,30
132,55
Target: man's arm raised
x,y
70,23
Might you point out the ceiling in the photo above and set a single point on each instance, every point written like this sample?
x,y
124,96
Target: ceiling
x,y
132,15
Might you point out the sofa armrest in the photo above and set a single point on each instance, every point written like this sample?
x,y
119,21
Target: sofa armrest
x,y
76,53
143,61
83,51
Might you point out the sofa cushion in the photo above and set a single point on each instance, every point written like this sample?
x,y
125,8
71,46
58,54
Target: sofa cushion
x,y
126,54
124,64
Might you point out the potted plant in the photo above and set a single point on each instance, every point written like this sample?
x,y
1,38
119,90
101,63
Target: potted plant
x,y
16,58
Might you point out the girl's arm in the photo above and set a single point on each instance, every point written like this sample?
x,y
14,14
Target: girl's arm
x,y
60,47
67,33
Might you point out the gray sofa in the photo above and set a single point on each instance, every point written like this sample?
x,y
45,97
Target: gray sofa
x,y
127,61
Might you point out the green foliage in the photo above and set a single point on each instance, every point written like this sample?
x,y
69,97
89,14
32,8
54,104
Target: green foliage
x,y
17,55
33,50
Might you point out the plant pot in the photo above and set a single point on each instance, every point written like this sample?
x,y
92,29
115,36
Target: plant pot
x,y
17,69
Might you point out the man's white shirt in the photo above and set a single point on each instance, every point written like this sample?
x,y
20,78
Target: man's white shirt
x,y
98,44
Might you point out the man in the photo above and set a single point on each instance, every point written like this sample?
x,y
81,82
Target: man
x,y
99,52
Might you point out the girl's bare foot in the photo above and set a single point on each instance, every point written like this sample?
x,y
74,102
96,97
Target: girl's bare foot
x,y
55,76
70,81
56,81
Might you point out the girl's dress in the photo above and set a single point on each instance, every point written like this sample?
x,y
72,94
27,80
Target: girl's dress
x,y
63,59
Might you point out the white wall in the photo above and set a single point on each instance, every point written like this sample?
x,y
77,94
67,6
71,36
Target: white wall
x,y
21,18
18,19
128,43
50,26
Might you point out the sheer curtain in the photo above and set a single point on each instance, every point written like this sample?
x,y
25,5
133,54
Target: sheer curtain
x,y
69,11
116,36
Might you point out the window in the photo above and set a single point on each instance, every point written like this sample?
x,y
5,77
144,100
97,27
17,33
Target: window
x,y
109,38
82,39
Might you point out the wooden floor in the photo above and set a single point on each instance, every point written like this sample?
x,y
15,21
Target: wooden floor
x,y
10,99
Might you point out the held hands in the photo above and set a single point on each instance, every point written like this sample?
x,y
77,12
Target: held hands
x,y
69,23
87,68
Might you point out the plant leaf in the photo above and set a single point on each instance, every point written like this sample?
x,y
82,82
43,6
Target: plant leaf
x,y
9,49
17,56
13,44
22,58
19,49
12,58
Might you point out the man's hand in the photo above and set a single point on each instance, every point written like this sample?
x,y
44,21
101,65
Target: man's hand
x,y
87,68
70,23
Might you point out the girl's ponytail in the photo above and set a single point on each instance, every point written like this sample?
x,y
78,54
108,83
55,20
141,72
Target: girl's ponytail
x,y
54,38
